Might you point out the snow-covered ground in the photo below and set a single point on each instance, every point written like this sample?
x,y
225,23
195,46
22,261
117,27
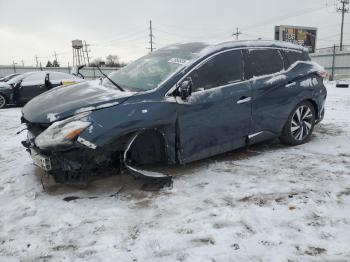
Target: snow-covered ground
x,y
265,203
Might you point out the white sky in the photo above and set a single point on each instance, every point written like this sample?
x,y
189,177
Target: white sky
x,y
38,27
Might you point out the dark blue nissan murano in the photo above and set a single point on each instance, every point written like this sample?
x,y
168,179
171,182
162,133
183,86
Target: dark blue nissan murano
x,y
179,104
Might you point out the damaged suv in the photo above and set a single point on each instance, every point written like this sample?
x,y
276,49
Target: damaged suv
x,y
179,104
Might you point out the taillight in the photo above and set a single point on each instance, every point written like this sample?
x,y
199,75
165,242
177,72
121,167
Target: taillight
x,y
322,73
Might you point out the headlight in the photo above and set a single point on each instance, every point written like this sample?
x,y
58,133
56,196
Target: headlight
x,y
63,133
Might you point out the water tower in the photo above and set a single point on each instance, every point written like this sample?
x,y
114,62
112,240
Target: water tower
x,y
78,53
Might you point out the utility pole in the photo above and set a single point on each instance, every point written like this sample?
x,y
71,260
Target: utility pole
x,y
333,63
343,10
37,61
22,62
151,36
237,33
87,52
55,55
14,66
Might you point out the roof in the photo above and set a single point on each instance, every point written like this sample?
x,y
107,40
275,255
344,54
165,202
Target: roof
x,y
251,43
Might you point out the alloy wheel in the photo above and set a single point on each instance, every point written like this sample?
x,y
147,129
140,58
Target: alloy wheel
x,y
2,101
301,123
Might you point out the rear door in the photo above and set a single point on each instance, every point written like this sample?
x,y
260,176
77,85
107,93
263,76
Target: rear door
x,y
270,107
216,117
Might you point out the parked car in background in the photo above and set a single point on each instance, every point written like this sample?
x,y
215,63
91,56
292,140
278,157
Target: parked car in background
x,y
176,105
8,77
343,83
21,88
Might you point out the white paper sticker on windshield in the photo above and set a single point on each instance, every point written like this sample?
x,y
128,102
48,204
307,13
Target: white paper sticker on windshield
x,y
178,61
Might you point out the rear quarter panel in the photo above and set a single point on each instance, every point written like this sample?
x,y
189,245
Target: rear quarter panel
x,y
274,99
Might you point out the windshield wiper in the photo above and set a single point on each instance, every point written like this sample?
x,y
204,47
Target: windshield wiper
x,y
114,83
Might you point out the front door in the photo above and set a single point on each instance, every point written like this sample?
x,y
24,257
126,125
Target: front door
x,y
216,117
31,86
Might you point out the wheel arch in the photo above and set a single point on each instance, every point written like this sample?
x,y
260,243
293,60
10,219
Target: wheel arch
x,y
4,95
6,98
314,104
310,100
151,141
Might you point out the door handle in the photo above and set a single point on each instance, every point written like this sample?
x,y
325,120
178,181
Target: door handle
x,y
244,99
290,84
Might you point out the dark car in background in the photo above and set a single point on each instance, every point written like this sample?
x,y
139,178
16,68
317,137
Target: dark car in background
x,y
176,105
21,88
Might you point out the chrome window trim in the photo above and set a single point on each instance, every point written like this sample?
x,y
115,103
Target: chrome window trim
x,y
173,88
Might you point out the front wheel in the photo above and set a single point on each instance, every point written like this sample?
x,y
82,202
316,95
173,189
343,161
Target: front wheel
x,y
2,101
300,124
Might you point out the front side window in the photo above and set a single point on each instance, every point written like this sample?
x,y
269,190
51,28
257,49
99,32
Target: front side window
x,y
222,69
34,78
263,62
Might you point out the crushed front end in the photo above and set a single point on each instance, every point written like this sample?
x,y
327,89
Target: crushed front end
x,y
57,149
60,150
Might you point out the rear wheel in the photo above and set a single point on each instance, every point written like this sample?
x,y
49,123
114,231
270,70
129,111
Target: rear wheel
x,y
300,124
3,101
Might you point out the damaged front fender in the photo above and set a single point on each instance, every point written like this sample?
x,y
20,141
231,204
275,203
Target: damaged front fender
x,y
166,179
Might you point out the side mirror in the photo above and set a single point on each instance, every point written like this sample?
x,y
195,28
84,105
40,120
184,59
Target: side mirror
x,y
18,84
185,88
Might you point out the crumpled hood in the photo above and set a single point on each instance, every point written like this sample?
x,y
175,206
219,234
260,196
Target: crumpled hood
x,y
64,101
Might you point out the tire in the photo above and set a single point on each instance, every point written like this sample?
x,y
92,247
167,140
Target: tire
x,y
300,124
3,101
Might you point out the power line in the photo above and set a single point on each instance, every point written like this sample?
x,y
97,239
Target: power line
x,y
125,37
283,17
343,10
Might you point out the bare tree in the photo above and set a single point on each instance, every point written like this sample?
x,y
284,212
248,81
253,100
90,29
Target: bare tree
x,y
97,62
112,61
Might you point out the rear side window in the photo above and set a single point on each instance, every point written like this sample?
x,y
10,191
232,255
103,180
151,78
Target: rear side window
x,y
263,62
222,69
294,56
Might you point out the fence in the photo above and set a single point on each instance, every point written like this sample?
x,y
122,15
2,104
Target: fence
x,y
87,72
336,62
